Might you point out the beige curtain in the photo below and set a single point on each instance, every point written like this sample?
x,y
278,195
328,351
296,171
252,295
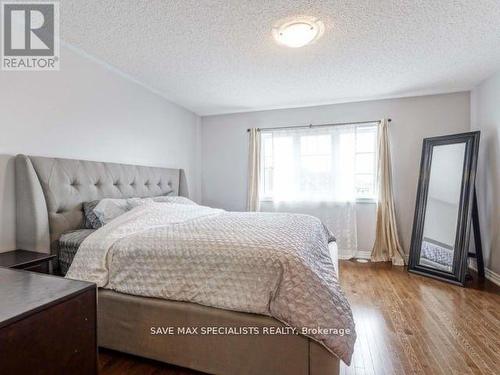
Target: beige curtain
x,y
253,203
387,246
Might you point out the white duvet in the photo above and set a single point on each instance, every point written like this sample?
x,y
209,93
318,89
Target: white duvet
x,y
265,263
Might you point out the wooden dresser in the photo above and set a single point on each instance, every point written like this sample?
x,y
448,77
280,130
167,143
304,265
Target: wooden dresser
x,y
47,324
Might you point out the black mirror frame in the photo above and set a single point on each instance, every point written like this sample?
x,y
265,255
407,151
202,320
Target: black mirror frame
x,y
462,237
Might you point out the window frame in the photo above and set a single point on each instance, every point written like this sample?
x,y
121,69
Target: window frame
x,y
358,199
372,199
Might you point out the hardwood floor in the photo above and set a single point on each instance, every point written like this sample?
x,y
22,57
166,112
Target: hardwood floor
x,y
410,324
115,363
406,324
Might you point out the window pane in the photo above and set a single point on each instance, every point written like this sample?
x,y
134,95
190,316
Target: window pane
x,y
284,168
268,182
267,141
267,164
365,163
366,139
316,163
365,184
315,144
315,186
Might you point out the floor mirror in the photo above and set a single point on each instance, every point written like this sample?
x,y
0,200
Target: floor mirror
x,y
443,212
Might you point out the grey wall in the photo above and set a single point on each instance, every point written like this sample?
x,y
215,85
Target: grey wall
x,y
485,110
224,148
88,111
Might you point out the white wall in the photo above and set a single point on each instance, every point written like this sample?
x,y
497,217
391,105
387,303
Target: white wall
x,y
88,111
224,148
485,110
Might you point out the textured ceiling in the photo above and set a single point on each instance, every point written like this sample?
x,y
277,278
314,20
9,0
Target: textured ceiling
x,y
219,56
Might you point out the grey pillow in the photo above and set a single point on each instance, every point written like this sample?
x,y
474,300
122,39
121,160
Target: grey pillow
x,y
91,221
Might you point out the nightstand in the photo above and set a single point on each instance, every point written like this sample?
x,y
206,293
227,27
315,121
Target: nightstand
x,y
27,260
47,324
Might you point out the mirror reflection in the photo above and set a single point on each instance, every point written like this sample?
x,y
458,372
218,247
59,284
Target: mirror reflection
x,y
442,206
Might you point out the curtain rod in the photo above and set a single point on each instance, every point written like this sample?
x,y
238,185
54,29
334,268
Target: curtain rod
x,y
320,125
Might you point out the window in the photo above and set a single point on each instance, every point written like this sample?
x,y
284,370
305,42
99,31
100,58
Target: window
x,y
366,162
335,163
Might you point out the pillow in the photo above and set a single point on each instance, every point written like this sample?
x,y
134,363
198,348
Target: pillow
x,y
101,212
135,202
173,199
90,219
108,209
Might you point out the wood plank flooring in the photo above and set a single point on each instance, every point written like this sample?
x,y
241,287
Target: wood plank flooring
x,y
406,324
410,324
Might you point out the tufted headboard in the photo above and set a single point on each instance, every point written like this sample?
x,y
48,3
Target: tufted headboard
x,y
50,193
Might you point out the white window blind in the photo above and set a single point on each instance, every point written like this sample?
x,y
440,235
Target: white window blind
x,y
330,164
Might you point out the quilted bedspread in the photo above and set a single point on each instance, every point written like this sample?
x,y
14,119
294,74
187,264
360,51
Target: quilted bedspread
x,y
273,264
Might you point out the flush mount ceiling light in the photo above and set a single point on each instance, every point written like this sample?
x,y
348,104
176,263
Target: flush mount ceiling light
x,y
298,32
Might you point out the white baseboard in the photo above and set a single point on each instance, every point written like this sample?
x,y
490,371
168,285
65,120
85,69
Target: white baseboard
x,y
489,274
363,254
492,276
359,254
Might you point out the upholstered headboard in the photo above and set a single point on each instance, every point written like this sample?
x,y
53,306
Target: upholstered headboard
x,y
50,193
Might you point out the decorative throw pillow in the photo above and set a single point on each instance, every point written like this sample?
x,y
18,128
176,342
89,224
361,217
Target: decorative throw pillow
x,y
90,219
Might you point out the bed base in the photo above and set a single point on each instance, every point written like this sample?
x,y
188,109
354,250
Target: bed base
x,y
125,323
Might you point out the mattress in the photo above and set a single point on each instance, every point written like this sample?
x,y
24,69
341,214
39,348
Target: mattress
x,y
334,254
69,243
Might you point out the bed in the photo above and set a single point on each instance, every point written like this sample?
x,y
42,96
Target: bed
x,y
50,193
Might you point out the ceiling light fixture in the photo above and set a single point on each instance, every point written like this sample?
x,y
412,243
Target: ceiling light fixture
x,y
298,32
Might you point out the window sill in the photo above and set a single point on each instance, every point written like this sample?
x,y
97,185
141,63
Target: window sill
x,y
357,201
366,201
